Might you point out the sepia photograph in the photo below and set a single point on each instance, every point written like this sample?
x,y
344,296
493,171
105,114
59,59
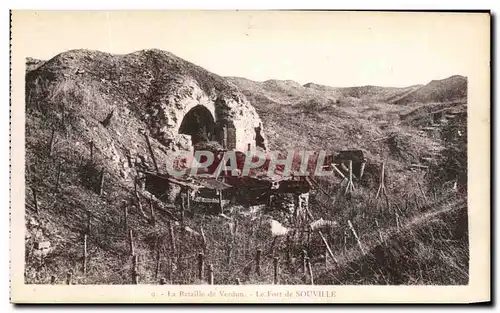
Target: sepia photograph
x,y
250,149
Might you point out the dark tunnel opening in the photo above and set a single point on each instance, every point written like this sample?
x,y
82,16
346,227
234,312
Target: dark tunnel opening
x,y
199,124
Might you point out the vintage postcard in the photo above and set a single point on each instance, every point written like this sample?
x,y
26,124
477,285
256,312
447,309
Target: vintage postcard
x,y
250,157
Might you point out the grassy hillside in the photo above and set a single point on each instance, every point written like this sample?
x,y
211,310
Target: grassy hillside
x,y
450,89
316,119
66,110
430,248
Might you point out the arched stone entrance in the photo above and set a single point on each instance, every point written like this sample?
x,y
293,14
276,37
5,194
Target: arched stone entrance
x,y
199,123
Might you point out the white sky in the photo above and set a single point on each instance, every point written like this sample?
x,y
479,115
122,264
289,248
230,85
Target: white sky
x,y
330,48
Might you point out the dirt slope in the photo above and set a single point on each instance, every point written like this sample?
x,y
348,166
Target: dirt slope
x,y
81,97
366,92
450,89
333,119
430,248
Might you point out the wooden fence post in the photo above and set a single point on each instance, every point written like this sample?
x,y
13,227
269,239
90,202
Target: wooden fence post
x,y
224,138
345,240
356,236
229,255
188,199
308,231
35,199
69,278
235,230
101,183
158,261
238,281
181,249
135,275
417,206
221,204
200,266
85,254
151,212
311,278
422,191
381,187
387,203
327,246
91,151
362,171
270,201
58,176
131,242
203,240
233,242
52,141
152,153
350,186
89,222
304,265
170,268
257,261
289,251
182,209
138,199
276,269
125,218
380,233
399,210
210,274
172,238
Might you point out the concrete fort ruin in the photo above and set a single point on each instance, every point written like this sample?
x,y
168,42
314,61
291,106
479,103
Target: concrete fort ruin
x,y
193,116
214,190
204,125
290,196
222,184
229,124
221,121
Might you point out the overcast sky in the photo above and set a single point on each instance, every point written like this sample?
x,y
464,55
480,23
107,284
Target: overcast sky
x,y
330,48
